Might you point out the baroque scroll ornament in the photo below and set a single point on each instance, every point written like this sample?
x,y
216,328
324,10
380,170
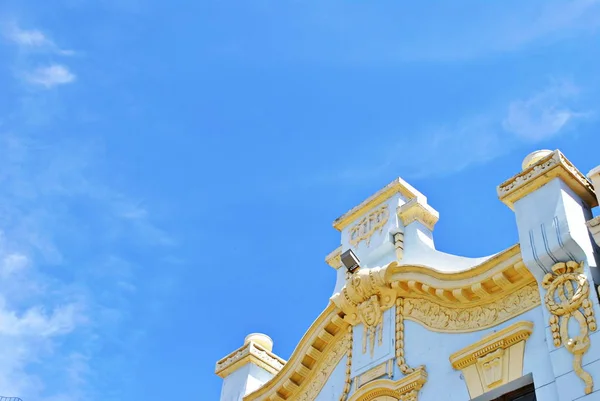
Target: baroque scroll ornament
x,y
567,296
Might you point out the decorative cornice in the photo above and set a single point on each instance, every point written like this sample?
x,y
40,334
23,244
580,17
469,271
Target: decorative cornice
x,y
455,319
555,165
495,360
334,259
397,186
504,338
335,355
418,210
312,353
406,388
249,353
493,279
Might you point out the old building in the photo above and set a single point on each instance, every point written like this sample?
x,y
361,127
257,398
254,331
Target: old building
x,y
407,322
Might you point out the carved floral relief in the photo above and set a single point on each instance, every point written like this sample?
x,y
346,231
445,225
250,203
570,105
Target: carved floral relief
x,y
443,318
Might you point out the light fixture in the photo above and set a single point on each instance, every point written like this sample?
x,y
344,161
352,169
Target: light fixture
x,y
350,261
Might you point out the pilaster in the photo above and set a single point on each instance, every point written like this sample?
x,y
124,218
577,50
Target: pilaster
x,y
552,202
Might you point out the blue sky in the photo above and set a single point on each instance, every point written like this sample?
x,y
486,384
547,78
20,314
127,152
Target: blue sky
x,y
169,171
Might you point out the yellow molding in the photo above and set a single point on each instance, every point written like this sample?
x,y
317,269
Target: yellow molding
x,y
495,360
468,293
514,253
330,321
504,338
555,165
334,258
417,210
572,304
397,186
463,319
408,387
251,352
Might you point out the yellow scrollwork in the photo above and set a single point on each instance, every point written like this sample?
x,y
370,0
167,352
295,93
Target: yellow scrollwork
x,y
368,225
567,296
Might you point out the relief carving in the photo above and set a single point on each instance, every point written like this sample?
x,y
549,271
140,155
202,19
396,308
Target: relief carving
x,y
567,296
360,287
316,383
491,366
370,315
455,319
368,225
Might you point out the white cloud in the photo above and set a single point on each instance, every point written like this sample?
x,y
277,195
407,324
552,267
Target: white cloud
x,y
543,115
50,76
452,147
33,39
61,301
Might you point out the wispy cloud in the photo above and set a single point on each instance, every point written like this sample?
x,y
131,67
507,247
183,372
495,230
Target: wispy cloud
x,y
32,40
543,115
58,303
451,147
50,76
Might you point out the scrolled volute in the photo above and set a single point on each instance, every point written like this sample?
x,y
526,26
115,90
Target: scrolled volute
x,y
366,286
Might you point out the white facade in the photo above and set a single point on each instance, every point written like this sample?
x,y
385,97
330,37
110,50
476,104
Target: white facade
x,y
413,323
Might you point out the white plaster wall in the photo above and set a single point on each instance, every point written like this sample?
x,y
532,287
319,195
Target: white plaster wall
x,y
243,381
334,386
432,349
381,241
256,378
234,385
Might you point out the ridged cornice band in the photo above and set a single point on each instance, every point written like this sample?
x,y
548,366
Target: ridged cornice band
x,y
307,359
483,296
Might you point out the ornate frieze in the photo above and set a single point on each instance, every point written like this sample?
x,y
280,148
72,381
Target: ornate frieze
x,y
567,296
334,356
250,352
398,186
494,360
369,225
464,319
418,210
543,171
